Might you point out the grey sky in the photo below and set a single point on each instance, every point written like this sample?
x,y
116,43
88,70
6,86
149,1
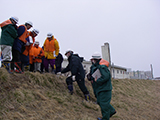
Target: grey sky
x,y
132,27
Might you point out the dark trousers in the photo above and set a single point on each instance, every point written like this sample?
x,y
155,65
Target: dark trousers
x,y
16,58
31,67
103,99
80,82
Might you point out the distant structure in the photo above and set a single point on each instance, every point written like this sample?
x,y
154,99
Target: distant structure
x,y
117,72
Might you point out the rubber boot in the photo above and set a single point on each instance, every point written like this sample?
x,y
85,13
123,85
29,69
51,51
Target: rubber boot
x,y
70,87
87,97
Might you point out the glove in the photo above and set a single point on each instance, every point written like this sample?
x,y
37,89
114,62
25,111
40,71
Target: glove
x,y
59,73
54,54
27,43
89,76
73,77
30,39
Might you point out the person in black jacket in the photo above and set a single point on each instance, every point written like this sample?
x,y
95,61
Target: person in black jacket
x,y
58,63
77,73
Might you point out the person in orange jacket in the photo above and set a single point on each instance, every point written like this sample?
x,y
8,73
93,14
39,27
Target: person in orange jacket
x,y
51,51
25,58
19,42
38,53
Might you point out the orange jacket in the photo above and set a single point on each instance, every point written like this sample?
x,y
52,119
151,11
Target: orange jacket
x,y
24,35
51,48
38,53
7,22
104,62
27,48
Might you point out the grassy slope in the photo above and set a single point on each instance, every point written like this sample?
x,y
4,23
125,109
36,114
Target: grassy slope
x,y
34,96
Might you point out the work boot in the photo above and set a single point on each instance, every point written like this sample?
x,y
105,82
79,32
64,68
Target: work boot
x,y
87,97
70,87
99,119
18,68
113,113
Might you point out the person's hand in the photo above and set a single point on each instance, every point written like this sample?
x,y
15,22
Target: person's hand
x,y
73,77
27,43
59,73
89,76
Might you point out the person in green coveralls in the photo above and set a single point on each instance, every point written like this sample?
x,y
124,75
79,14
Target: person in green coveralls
x,y
102,86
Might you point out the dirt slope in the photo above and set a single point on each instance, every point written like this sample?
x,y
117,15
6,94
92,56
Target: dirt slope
x,y
34,96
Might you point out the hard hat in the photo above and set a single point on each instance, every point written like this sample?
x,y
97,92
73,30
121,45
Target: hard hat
x,y
36,42
35,31
29,22
15,19
96,55
49,35
69,50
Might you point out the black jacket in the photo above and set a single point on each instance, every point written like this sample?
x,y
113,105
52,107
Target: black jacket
x,y
75,66
59,60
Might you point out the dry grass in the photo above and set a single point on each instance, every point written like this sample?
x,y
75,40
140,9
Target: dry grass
x,y
34,96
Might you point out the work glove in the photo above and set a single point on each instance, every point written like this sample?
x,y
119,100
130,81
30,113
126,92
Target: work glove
x,y
27,43
89,76
59,73
73,77
54,54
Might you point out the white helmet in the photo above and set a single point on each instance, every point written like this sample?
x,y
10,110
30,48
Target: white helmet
x,y
36,42
69,50
29,22
96,55
15,19
49,35
35,31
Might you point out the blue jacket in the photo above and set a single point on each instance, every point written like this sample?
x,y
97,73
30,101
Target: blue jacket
x,y
18,44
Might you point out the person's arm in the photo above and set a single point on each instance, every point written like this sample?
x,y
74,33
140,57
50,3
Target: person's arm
x,y
105,75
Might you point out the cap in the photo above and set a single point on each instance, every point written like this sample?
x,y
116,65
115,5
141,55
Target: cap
x,y
96,55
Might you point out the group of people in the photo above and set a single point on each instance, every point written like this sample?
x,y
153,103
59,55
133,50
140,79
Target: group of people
x,y
20,49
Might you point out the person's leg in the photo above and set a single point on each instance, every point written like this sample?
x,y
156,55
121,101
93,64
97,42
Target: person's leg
x,y
46,63
35,66
70,84
52,63
6,52
103,99
38,67
81,84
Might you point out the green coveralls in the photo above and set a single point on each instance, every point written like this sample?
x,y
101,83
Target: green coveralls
x,y
103,90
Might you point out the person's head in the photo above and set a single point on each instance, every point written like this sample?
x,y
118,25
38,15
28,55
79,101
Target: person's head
x,y
14,20
50,36
95,57
35,32
36,44
68,53
28,24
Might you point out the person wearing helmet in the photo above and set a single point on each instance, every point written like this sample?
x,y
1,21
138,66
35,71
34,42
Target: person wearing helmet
x,y
37,55
51,51
26,60
100,78
77,73
20,42
8,34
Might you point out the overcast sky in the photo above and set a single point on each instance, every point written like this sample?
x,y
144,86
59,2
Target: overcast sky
x,y
131,27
